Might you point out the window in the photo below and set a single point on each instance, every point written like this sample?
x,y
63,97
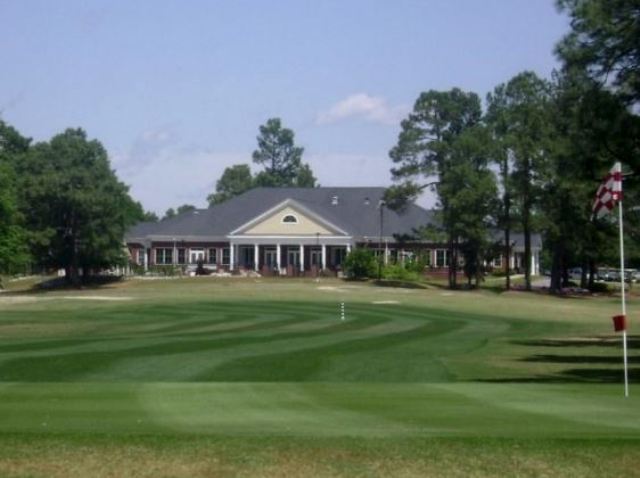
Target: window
x,y
427,257
290,219
497,261
182,256
164,255
339,255
226,256
213,256
442,258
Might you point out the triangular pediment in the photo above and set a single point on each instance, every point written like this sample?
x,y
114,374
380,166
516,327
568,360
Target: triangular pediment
x,y
288,218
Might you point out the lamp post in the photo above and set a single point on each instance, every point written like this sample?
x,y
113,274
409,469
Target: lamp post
x,y
380,259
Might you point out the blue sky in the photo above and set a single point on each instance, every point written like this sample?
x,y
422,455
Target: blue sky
x,y
176,90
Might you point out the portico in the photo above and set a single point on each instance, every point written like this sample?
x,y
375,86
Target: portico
x,y
288,255
288,239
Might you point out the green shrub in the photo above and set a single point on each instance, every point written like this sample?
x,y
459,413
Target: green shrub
x,y
166,270
399,272
600,288
360,264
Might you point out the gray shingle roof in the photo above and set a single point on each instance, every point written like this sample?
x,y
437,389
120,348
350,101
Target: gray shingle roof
x,y
356,213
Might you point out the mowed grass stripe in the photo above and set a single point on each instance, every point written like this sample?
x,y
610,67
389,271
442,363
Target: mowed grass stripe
x,y
364,348
319,410
165,359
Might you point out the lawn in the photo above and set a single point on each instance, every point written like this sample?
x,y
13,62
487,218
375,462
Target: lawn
x,y
253,377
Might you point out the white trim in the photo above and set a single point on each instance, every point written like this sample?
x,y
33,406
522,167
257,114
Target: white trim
x,y
287,202
280,236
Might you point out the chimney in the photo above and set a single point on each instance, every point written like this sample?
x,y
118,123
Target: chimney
x,y
334,200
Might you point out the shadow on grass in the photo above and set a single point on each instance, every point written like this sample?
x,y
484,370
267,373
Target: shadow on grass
x,y
605,368
633,341
577,375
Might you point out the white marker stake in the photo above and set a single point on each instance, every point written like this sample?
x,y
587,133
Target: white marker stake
x,y
341,310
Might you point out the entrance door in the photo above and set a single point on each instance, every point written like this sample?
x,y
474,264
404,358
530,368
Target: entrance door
x,y
293,258
246,256
316,257
271,258
196,255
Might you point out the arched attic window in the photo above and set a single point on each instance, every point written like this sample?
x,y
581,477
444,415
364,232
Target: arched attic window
x,y
289,219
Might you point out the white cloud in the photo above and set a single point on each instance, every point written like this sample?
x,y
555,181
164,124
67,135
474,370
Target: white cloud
x,y
361,105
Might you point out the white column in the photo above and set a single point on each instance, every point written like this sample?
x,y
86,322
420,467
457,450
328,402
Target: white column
x,y
232,254
278,258
256,256
174,256
145,259
386,253
348,248
324,257
301,258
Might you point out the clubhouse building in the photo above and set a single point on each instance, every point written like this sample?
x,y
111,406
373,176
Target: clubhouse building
x,y
294,232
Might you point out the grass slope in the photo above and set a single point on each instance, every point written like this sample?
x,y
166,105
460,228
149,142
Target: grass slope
x,y
206,377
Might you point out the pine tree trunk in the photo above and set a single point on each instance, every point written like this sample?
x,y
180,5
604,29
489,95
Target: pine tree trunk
x,y
527,252
556,269
507,241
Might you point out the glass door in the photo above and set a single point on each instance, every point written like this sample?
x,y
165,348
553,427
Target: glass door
x,y
196,255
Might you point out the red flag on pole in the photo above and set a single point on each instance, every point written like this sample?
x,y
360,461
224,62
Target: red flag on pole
x,y
609,193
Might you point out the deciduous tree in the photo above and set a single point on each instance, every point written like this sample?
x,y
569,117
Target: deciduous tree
x,y
77,208
234,181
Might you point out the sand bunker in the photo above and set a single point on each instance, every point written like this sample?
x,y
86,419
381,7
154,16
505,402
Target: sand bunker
x,y
94,297
331,288
16,299
385,302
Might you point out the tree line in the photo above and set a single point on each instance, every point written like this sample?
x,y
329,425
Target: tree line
x,y
63,207
533,158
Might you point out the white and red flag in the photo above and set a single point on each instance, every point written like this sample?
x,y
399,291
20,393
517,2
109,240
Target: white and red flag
x,y
609,193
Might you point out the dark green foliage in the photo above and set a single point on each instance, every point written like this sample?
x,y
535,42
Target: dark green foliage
x,y
14,253
281,158
282,162
149,216
186,208
443,145
234,181
305,177
604,42
76,209
360,263
169,213
521,124
400,272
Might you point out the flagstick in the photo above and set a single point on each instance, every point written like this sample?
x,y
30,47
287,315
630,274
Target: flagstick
x,y
624,305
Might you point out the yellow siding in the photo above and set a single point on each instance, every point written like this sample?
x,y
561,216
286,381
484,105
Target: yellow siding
x,y
273,225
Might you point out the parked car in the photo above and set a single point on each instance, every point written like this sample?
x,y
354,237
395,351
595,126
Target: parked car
x,y
575,273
